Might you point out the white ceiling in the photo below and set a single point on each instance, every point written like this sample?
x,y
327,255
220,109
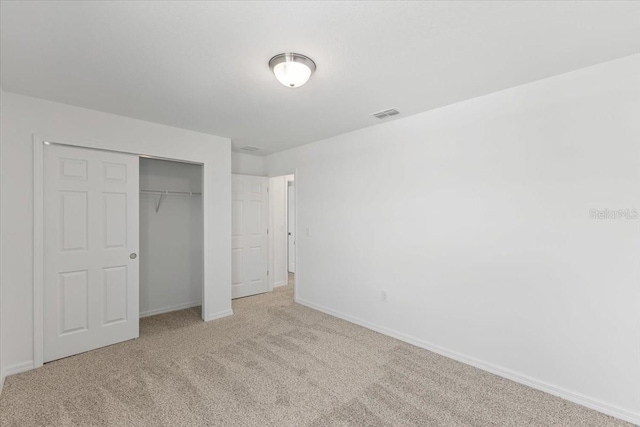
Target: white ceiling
x,y
203,66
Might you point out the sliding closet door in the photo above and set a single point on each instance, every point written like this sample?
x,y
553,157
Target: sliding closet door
x,y
91,244
249,209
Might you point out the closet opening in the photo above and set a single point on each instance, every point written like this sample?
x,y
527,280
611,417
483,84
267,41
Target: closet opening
x,y
118,240
171,241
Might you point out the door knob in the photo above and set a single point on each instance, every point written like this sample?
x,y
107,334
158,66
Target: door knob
x,y
133,255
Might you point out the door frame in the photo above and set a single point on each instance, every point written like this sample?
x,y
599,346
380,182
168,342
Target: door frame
x,y
38,233
296,275
289,253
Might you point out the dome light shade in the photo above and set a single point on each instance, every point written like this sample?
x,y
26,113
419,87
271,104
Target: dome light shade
x,y
292,69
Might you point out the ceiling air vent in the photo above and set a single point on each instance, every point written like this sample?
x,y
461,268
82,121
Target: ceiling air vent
x,y
386,113
249,148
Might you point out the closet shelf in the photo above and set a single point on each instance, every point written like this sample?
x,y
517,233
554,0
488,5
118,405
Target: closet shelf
x,y
163,193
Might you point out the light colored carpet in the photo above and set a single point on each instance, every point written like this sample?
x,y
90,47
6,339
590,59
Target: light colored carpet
x,y
274,363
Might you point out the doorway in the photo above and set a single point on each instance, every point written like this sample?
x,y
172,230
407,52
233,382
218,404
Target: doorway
x,y
282,239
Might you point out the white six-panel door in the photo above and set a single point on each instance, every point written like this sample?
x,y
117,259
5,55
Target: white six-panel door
x,y
90,249
250,210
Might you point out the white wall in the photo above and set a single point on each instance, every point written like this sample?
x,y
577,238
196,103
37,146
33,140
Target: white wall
x,y
474,218
21,117
278,231
247,164
171,251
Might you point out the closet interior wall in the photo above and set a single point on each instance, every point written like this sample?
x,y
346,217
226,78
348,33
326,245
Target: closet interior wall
x,y
171,236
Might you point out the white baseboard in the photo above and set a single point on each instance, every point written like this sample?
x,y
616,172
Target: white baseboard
x,y
281,283
169,309
1,382
581,399
18,368
220,315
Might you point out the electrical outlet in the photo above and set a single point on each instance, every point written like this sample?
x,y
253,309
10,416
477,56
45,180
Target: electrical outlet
x,y
383,296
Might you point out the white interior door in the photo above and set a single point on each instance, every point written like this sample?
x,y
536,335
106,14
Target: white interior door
x,y
291,226
250,213
90,249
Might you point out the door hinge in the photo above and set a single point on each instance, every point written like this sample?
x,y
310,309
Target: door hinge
x,y
267,231
267,272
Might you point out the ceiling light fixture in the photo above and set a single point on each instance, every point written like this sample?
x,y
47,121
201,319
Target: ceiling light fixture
x,y
292,69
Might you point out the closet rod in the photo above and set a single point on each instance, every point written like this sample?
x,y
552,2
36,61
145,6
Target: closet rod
x,y
169,192
162,193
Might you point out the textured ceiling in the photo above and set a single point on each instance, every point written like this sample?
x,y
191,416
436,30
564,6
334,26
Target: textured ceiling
x,y
203,65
